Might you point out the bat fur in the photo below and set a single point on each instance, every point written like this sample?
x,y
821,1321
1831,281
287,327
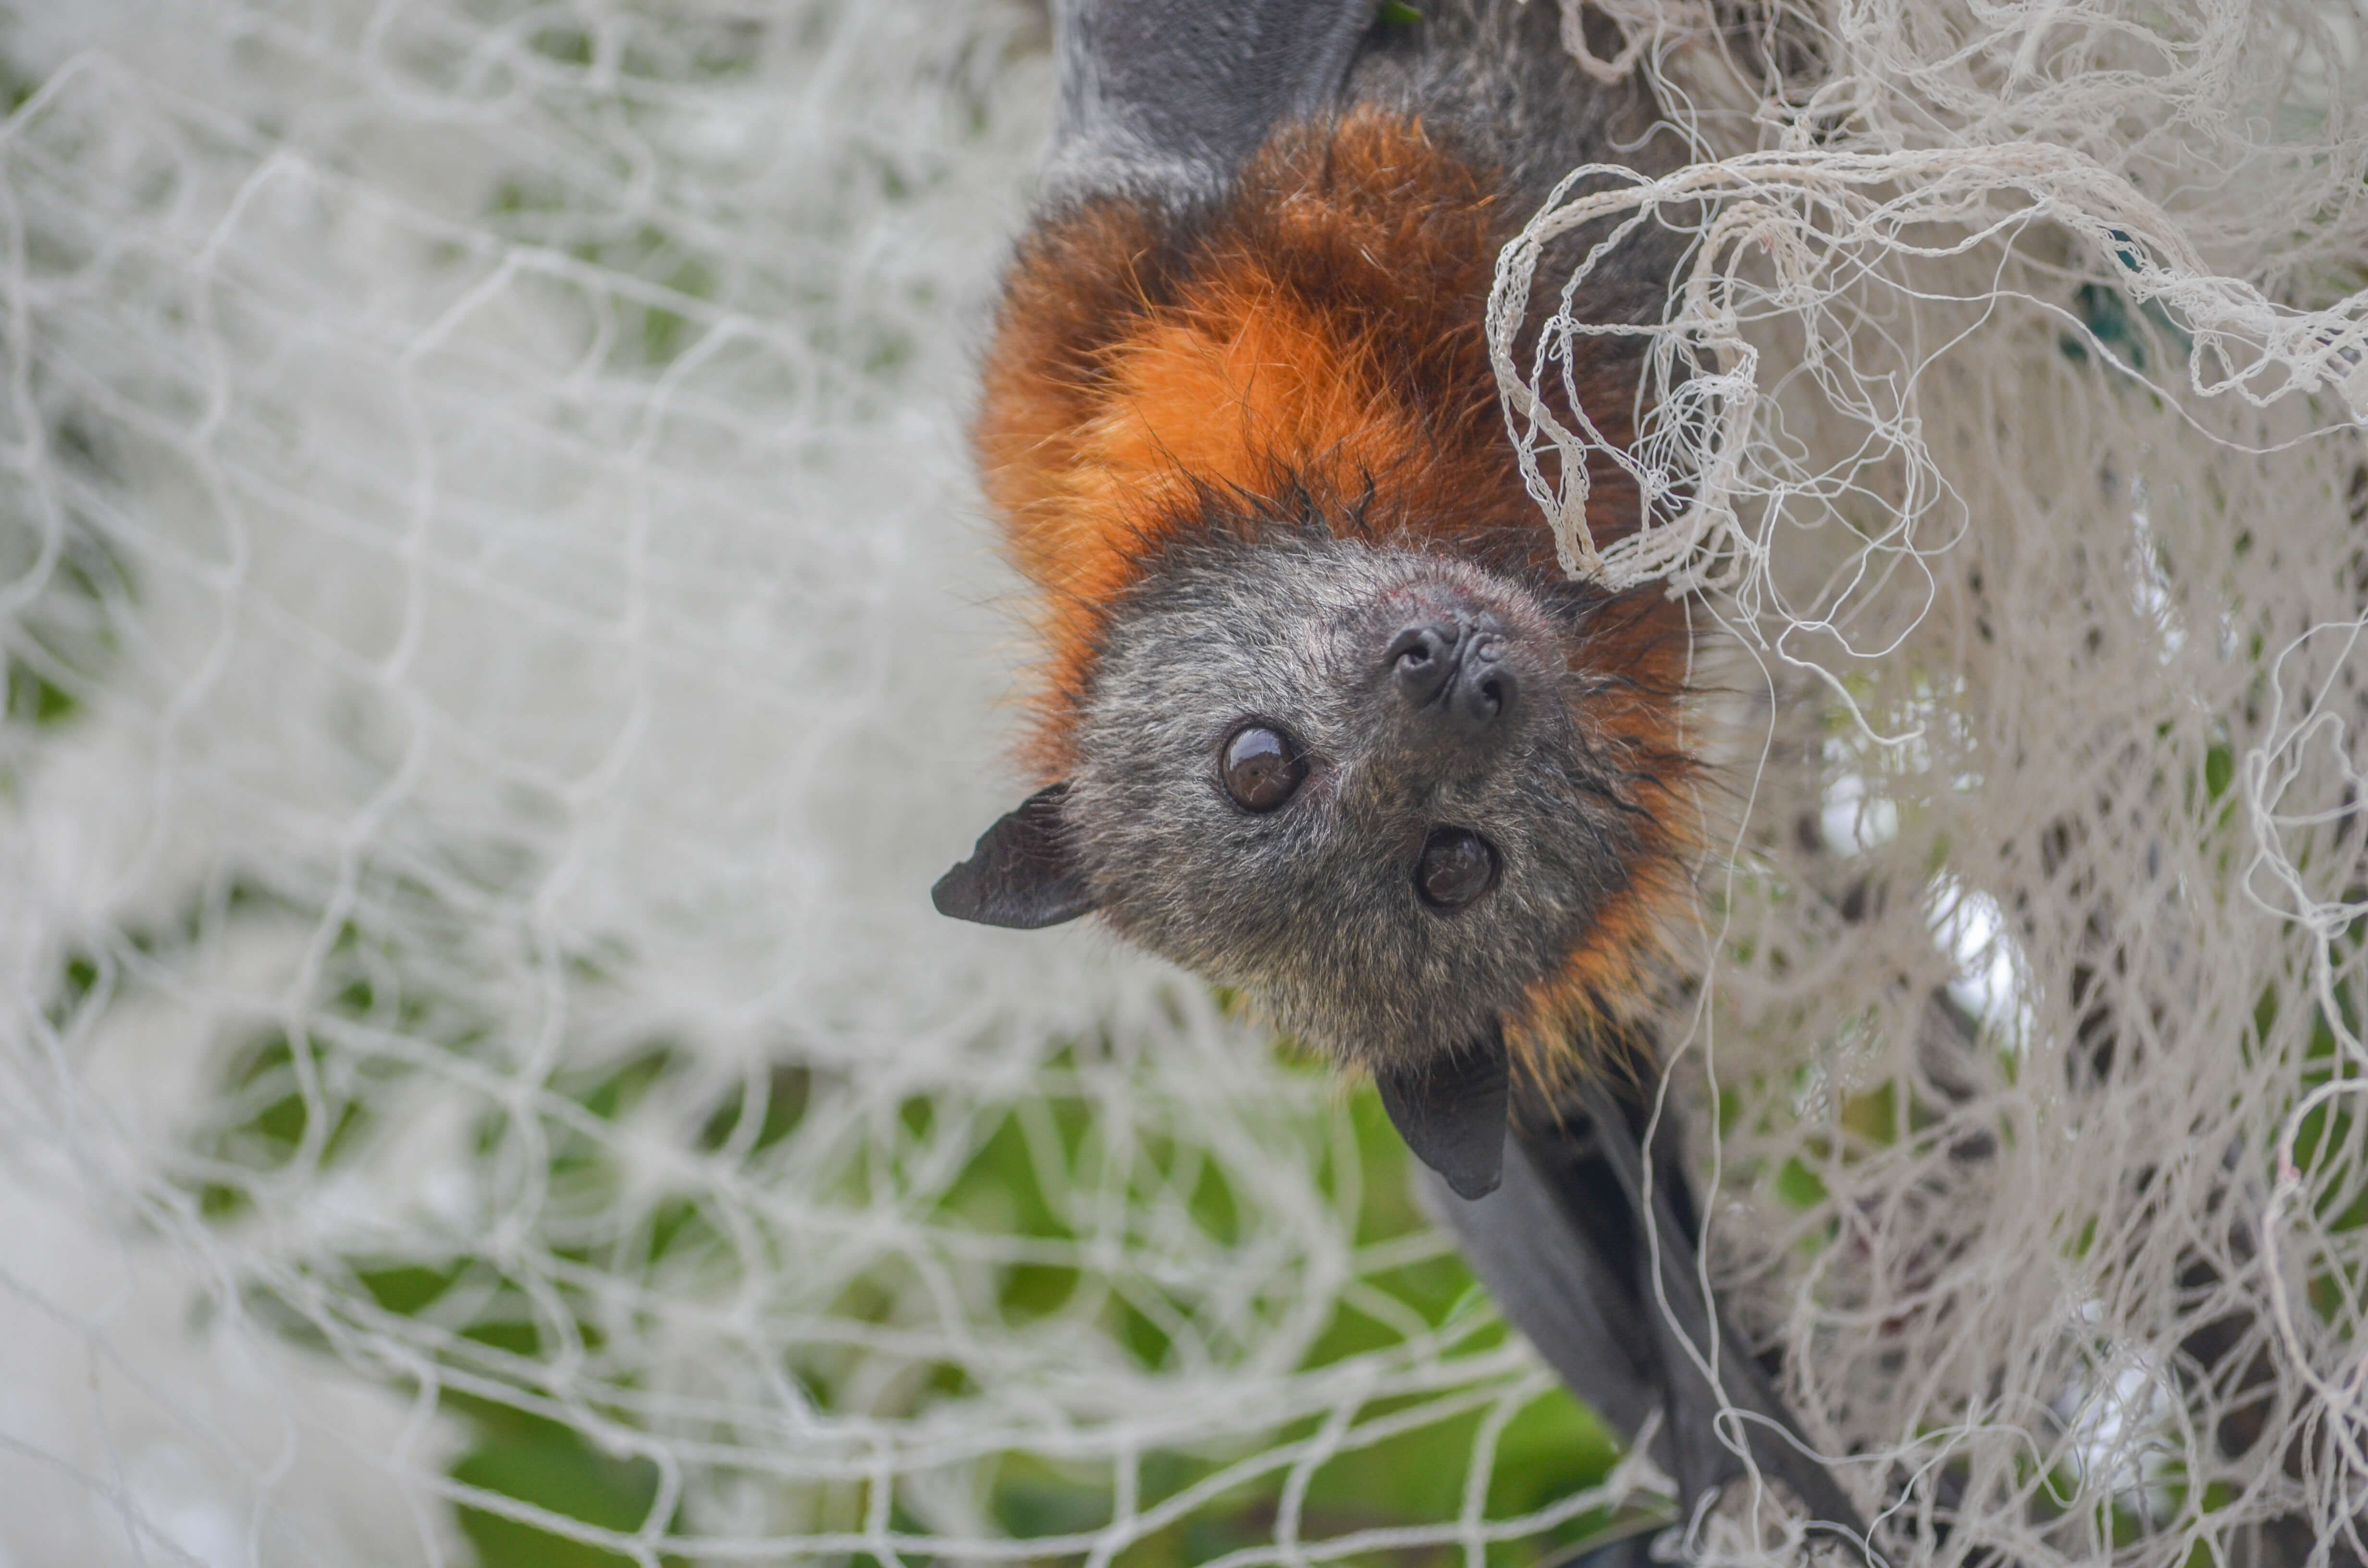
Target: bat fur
x,y
1319,717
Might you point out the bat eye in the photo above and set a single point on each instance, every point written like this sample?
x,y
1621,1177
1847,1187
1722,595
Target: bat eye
x,y
1262,769
1457,866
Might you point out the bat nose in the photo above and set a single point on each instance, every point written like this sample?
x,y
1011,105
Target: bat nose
x,y
1455,667
1422,659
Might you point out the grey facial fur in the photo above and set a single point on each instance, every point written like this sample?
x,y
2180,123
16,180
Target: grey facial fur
x,y
1313,908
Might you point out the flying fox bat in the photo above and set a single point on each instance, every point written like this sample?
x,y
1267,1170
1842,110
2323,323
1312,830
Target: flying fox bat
x,y
1321,717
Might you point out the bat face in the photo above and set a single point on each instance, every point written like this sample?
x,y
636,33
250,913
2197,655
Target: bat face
x,y
1355,781
1347,779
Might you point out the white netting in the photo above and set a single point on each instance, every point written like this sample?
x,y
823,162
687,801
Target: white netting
x,y
2012,422
500,638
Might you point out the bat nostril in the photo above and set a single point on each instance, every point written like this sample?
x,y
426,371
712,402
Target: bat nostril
x,y
1422,658
1485,683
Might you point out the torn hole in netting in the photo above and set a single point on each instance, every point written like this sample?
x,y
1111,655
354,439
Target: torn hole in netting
x,y
491,598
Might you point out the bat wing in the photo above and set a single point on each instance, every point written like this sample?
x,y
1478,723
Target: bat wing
x,y
1543,1259
1161,100
1619,1311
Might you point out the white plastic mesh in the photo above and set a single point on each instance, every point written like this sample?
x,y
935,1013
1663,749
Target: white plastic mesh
x,y
500,638
2012,427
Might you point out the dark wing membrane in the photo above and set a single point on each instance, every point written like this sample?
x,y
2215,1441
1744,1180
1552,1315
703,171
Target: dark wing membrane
x,y
1574,1298
1620,1310
1161,100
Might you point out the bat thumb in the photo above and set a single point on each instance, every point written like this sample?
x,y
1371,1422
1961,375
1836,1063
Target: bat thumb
x,y
1450,1110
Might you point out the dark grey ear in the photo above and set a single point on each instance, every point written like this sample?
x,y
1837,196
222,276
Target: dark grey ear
x,y
1450,1111
1023,873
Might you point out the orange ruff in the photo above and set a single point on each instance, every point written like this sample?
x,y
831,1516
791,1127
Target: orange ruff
x,y
1315,342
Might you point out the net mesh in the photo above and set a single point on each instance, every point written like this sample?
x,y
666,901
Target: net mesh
x,y
499,638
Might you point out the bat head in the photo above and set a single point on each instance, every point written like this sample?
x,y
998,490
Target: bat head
x,y
1352,780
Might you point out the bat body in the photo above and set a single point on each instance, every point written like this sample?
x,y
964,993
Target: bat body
x,y
1320,716
1241,428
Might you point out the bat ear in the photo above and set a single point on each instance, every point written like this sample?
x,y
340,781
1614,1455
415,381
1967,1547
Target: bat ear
x,y
1023,873
1450,1111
